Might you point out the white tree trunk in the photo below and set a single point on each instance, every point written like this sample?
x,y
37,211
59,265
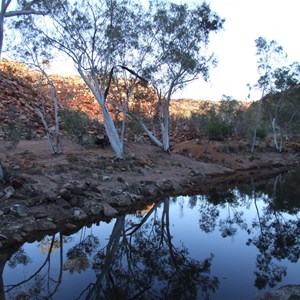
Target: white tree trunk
x,y
165,132
275,134
148,132
281,140
111,130
49,136
256,124
58,148
2,12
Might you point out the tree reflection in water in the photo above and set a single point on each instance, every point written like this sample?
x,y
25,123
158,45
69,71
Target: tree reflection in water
x,y
278,236
41,284
141,260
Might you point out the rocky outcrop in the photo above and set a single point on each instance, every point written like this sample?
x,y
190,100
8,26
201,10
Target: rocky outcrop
x,y
21,91
287,292
19,99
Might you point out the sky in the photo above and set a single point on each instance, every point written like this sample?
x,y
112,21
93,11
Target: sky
x,y
234,46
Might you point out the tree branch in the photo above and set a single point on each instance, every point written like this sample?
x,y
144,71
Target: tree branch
x,y
24,13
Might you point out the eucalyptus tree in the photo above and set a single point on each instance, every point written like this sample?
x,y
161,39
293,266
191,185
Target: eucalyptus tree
x,y
21,8
275,83
179,34
269,54
31,53
97,36
284,109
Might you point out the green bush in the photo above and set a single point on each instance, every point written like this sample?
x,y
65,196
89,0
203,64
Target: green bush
x,y
218,130
261,133
12,132
74,124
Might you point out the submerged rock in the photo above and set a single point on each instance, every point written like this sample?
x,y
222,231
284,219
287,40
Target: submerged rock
x,y
287,292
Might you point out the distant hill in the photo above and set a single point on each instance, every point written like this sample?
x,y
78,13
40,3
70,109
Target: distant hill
x,y
21,92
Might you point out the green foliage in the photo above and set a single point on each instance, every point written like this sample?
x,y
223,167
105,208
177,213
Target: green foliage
x,y
13,132
261,133
218,130
74,124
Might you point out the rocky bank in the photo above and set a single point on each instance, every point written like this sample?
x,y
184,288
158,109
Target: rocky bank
x,y
41,193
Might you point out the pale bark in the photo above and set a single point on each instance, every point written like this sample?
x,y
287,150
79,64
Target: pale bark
x,y
147,131
275,133
257,121
165,132
49,136
24,13
111,130
58,148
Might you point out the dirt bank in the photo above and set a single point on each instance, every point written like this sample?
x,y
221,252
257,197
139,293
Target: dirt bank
x,y
45,193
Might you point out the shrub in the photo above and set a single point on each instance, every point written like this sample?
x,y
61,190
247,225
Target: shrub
x,y
218,130
12,133
261,133
74,124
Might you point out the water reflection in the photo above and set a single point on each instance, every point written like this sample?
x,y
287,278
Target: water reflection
x,y
141,262
177,249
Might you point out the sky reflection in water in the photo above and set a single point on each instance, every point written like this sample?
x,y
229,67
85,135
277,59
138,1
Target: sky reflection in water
x,y
235,244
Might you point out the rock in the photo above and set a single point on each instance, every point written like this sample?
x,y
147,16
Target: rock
x,y
120,179
135,197
77,190
74,201
8,192
60,214
287,292
134,188
17,237
176,186
1,212
44,225
79,214
109,211
106,178
145,191
95,175
65,193
63,203
16,183
70,226
98,189
28,228
39,212
124,200
96,210
20,210
50,196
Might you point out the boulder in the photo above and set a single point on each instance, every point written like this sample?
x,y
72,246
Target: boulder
x,y
287,292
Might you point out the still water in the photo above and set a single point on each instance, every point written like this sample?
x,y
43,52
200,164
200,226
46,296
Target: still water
x,y
232,244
